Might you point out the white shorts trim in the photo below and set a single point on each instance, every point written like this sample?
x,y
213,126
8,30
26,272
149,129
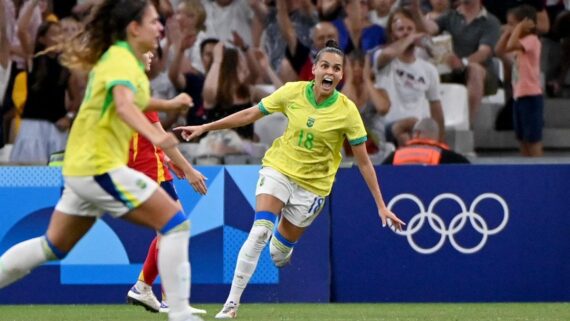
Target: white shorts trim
x,y
116,192
301,208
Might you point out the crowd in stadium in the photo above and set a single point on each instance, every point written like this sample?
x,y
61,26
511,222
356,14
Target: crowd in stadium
x,y
229,54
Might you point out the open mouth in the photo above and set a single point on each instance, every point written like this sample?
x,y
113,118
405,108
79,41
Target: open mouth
x,y
327,82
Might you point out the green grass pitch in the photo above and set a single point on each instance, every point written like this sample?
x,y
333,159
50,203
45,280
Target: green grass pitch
x,y
304,312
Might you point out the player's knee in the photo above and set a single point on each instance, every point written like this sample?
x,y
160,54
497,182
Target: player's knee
x,y
178,223
51,251
262,228
280,250
260,235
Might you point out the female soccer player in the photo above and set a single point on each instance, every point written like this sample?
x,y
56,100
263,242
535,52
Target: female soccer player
x,y
151,160
298,170
96,177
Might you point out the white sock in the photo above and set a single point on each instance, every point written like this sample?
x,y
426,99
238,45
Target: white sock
x,y
22,258
174,271
247,259
142,287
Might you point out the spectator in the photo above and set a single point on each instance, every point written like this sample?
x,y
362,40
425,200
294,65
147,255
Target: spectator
x,y
439,8
355,31
230,93
424,148
45,118
52,95
192,83
474,33
226,17
407,80
188,26
521,41
373,103
299,62
501,8
329,10
303,17
268,76
561,31
18,54
380,12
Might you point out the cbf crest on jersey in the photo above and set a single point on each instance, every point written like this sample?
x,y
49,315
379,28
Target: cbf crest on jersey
x,y
310,122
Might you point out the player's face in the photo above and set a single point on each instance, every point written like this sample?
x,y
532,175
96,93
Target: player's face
x,y
328,72
149,29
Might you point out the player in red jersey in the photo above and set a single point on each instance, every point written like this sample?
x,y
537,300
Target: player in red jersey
x,y
151,160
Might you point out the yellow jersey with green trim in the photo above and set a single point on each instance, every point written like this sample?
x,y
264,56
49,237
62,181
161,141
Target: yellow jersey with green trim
x,y
99,139
309,152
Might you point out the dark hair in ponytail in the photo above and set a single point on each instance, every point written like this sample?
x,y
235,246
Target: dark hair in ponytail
x,y
106,25
331,47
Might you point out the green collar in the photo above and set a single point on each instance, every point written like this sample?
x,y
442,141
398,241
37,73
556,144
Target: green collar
x,y
126,45
310,93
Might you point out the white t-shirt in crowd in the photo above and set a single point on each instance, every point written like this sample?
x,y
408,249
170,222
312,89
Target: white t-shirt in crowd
x,y
409,86
221,21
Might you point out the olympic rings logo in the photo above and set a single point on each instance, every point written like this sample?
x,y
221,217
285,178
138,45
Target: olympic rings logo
x,y
457,223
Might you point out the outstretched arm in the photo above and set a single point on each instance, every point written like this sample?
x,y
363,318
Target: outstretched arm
x,y
239,119
179,103
132,116
369,175
193,176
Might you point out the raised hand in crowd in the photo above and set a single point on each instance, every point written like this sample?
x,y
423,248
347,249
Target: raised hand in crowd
x,y
265,67
378,97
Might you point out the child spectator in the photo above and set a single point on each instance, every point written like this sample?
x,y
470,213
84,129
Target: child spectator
x,y
521,40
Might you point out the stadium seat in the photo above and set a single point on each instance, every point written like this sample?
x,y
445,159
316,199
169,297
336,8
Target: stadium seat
x,y
5,153
498,99
189,151
455,106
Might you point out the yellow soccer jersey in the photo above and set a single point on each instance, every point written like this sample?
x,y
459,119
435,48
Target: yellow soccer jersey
x,y
99,139
309,150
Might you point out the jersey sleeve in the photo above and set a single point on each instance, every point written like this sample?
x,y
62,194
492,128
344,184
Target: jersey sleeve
x,y
277,101
120,71
355,131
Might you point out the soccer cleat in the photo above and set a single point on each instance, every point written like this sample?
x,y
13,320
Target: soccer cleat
x,y
197,311
164,309
146,299
229,311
